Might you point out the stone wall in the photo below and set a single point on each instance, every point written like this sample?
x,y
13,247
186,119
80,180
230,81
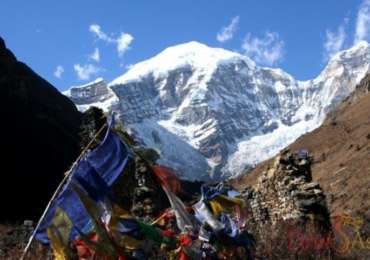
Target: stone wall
x,y
286,192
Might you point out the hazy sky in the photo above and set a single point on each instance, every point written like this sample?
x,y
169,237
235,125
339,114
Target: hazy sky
x,y
72,42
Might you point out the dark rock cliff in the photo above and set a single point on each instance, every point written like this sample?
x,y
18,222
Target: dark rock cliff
x,y
39,138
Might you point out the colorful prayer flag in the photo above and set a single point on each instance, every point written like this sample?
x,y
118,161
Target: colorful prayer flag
x,y
94,174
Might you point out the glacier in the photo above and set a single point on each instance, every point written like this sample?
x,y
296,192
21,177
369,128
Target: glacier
x,y
213,113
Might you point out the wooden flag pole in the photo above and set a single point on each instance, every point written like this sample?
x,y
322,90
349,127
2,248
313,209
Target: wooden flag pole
x,y
60,186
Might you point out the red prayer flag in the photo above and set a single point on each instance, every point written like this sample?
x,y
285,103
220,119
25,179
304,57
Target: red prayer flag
x,y
184,240
167,178
183,256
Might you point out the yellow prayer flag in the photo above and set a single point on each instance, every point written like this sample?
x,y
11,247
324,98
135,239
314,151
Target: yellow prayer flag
x,y
222,203
58,233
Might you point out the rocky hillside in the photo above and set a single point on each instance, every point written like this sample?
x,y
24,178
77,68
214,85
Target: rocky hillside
x,y
39,138
341,151
218,109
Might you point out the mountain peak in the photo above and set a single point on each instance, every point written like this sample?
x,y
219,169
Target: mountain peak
x,y
196,48
189,46
190,54
357,49
354,60
361,44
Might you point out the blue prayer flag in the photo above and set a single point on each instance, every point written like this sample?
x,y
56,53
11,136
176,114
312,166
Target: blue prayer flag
x,y
94,174
91,181
110,157
69,201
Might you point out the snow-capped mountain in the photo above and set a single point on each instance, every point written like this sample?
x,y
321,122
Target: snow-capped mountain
x,y
212,113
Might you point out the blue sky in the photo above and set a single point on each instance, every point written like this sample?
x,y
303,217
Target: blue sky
x,y
60,39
